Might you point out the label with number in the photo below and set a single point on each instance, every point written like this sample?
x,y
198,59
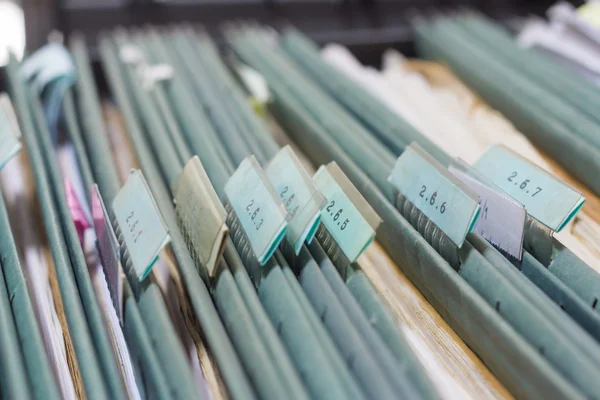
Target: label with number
x,y
299,195
545,197
259,209
9,131
347,215
445,200
142,226
501,220
200,214
108,248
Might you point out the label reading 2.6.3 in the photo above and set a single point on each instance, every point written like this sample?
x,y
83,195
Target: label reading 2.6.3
x,y
254,214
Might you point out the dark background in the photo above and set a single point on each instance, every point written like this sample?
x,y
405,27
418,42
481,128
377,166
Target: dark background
x,y
367,27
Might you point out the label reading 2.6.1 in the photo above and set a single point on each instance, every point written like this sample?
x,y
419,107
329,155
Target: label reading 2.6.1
x,y
142,227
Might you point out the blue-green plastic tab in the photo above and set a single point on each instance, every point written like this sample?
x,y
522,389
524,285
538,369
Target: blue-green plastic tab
x,y
142,227
445,200
261,213
546,198
299,195
348,217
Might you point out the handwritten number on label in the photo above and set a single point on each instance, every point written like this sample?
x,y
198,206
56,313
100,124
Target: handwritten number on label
x,y
289,202
254,214
431,199
133,225
345,224
335,217
523,185
330,205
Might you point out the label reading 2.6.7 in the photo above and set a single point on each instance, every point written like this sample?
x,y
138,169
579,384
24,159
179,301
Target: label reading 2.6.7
x,y
546,198
525,186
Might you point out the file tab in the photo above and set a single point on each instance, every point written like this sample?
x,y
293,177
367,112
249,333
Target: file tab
x,y
142,228
299,194
545,197
438,194
348,217
258,208
200,215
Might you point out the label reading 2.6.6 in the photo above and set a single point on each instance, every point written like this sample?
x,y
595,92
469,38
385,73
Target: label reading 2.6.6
x,y
446,201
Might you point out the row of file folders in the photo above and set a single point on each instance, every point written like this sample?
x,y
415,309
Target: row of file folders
x,y
274,220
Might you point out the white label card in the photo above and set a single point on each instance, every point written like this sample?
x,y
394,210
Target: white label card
x,y
142,227
259,209
299,194
501,221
